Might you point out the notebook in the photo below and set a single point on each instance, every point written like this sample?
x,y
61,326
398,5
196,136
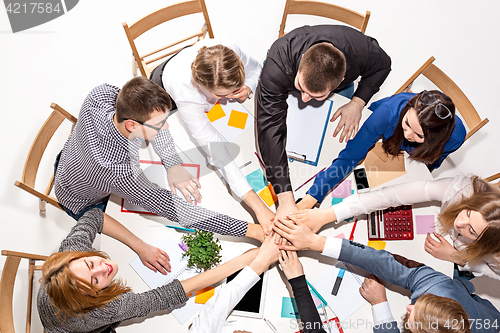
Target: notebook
x,y
348,299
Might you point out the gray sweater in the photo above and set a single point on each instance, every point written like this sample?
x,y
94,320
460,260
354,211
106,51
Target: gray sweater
x,y
127,306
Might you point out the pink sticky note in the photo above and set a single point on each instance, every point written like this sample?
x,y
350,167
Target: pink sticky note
x,y
425,224
340,236
343,190
316,300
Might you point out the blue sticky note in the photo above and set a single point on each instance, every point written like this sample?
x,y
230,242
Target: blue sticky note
x,y
257,180
336,200
289,308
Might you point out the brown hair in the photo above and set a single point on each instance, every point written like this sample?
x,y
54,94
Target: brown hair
x,y
218,67
437,131
322,67
437,314
139,98
486,201
71,295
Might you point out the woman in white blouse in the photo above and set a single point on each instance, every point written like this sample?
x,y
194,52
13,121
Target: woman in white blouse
x,y
196,78
470,214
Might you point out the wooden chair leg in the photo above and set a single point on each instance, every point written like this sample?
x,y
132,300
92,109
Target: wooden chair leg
x,y
134,66
42,206
30,295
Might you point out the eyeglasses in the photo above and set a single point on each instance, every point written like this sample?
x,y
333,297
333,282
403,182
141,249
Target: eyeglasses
x,y
441,110
148,125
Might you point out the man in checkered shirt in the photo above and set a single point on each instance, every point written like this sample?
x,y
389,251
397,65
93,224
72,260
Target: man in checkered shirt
x,y
102,157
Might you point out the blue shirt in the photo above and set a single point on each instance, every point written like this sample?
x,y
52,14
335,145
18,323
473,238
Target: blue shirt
x,y
381,123
420,279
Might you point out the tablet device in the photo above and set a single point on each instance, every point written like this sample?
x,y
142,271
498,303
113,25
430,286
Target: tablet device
x,y
252,304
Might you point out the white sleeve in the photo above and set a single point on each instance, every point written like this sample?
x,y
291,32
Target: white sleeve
x,y
212,316
332,247
212,144
490,267
252,67
392,196
381,313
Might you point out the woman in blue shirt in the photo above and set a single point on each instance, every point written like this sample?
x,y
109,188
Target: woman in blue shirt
x,y
424,125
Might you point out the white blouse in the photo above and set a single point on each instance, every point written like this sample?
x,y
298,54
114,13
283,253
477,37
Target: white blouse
x,y
193,101
446,190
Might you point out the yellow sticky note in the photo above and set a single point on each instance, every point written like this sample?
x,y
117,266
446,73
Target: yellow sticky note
x,y
268,195
377,245
238,119
203,295
216,112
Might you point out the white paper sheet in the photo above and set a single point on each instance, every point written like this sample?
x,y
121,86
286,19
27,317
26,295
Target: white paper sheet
x,y
306,125
348,299
179,271
156,173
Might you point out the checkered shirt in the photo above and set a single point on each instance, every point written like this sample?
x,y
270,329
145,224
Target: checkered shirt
x,y
97,160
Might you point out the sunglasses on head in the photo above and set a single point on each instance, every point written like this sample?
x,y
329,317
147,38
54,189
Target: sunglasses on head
x,y
441,110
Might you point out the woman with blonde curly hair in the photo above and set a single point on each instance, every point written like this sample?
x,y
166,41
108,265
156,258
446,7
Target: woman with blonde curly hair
x,y
196,78
470,214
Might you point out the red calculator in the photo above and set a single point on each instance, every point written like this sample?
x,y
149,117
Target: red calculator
x,y
395,223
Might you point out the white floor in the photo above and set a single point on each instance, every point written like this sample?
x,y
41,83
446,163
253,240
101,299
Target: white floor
x,y
62,60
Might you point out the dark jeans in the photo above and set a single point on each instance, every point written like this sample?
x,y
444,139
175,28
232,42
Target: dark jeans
x,y
348,91
102,205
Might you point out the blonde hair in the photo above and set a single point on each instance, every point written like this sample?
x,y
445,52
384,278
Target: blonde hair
x,y
71,295
437,314
218,67
485,200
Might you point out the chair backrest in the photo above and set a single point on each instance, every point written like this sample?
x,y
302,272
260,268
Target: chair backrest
x,y
161,16
7,281
35,154
493,178
317,8
447,86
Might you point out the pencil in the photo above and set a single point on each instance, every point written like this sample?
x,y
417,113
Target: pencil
x,y
307,181
351,237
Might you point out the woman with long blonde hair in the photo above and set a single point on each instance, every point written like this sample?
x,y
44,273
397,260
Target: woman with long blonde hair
x,y
470,214
196,78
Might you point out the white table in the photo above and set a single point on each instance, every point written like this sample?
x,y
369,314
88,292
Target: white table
x,y
217,197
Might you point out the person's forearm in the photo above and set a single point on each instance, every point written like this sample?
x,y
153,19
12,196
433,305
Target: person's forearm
x,y
358,101
286,198
219,273
254,201
255,231
118,231
307,202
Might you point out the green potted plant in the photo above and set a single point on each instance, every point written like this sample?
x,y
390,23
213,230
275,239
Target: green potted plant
x,y
202,249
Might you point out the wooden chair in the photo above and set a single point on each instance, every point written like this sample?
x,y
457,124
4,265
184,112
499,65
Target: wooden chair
x,y
493,178
317,8
447,86
7,281
161,16
35,154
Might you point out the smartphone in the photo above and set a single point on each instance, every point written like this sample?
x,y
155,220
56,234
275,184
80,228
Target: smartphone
x,y
361,179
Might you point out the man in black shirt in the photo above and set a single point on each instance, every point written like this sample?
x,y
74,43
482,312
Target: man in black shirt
x,y
316,61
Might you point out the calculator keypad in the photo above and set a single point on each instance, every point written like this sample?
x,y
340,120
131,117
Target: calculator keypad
x,y
397,224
